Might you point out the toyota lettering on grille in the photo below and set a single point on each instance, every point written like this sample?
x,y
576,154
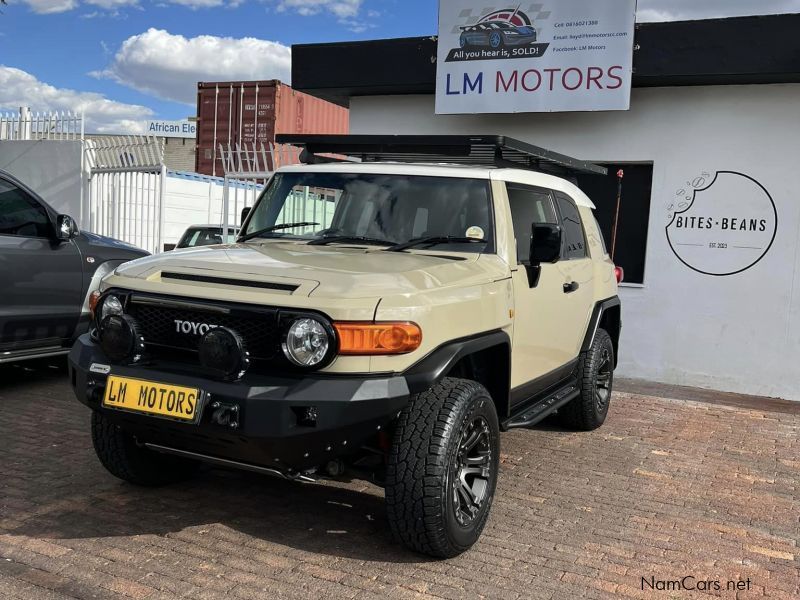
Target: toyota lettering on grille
x,y
192,327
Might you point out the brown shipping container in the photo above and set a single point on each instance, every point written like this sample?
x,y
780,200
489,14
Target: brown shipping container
x,y
243,112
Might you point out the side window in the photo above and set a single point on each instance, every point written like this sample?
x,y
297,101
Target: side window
x,y
574,239
20,214
529,205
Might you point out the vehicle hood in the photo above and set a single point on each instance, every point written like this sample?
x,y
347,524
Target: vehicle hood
x,y
319,271
104,248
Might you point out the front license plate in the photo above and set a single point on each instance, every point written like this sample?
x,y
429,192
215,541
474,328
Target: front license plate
x,y
161,399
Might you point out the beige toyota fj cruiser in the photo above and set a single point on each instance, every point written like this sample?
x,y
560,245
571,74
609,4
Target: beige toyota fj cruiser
x,y
387,309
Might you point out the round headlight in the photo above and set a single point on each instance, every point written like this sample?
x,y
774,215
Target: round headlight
x,y
221,350
120,339
111,306
307,342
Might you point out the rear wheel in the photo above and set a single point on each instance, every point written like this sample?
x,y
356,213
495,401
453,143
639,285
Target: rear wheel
x,y
124,458
443,467
596,379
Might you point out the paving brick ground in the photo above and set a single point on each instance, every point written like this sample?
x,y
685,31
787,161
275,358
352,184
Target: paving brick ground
x,y
667,488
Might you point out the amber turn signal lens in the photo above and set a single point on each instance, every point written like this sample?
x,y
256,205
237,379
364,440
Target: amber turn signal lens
x,y
378,338
93,298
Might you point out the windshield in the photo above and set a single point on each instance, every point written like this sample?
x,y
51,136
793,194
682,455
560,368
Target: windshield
x,y
206,237
393,209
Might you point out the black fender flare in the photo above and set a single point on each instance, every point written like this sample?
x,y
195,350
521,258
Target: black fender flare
x,y
594,323
434,366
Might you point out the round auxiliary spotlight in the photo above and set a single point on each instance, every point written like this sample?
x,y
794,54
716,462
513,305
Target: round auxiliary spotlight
x,y
120,339
222,351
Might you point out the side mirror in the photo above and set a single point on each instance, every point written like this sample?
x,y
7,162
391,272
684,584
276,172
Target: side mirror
x,y
66,229
545,243
245,211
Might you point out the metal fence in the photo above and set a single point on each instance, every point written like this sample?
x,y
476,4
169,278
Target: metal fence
x,y
247,169
29,125
123,176
126,189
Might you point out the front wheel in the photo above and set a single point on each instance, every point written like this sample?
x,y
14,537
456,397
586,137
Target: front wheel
x,y
124,458
443,467
596,380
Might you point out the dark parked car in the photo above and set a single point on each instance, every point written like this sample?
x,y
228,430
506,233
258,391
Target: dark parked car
x,y
47,270
206,235
496,34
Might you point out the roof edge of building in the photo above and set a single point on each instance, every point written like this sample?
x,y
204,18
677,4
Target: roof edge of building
x,y
669,54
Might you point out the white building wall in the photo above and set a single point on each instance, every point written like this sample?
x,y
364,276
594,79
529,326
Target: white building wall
x,y
51,168
199,202
736,333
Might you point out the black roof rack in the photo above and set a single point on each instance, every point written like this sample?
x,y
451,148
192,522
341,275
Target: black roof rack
x,y
487,150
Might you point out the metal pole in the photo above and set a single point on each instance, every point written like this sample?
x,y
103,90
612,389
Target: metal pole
x,y
210,201
81,215
225,192
620,175
162,190
114,206
214,151
25,123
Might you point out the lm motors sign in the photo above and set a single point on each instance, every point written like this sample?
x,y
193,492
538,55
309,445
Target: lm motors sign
x,y
557,55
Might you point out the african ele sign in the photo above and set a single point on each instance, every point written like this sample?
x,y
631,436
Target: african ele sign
x,y
558,55
184,129
722,224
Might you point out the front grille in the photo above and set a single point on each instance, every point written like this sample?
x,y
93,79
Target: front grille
x,y
258,328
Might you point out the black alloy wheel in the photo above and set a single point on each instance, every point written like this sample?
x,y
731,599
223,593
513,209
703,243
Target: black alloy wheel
x,y
603,380
595,382
471,473
442,468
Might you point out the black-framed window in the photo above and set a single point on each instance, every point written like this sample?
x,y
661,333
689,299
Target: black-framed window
x,y
634,213
20,214
574,238
529,205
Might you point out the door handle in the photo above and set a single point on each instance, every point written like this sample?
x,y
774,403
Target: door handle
x,y
571,287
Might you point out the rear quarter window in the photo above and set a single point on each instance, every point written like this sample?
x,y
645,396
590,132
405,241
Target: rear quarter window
x,y
574,237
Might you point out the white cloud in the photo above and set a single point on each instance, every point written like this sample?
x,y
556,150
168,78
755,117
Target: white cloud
x,y
199,3
45,7
169,66
19,88
341,8
675,10
112,5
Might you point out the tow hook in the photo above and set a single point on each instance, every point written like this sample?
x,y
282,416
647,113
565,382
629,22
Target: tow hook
x,y
226,415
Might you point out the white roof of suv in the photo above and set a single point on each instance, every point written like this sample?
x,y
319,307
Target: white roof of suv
x,y
523,176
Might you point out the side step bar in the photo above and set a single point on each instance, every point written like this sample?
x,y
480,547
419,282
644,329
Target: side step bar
x,y
234,464
533,414
14,355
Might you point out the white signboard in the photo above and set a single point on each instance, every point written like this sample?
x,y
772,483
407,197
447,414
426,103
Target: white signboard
x,y
184,129
551,55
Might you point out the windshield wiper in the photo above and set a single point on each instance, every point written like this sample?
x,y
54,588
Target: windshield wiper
x,y
260,232
339,239
433,240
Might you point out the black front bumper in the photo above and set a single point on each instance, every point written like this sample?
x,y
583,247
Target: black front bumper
x,y
270,415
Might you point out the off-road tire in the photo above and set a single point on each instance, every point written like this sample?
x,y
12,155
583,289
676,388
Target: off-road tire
x,y
587,412
124,458
423,464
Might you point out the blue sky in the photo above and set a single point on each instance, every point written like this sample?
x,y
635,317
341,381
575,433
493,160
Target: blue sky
x,y
124,61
